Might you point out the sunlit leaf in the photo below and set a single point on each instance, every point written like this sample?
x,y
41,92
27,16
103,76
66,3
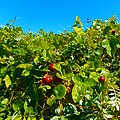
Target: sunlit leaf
x,y
106,44
28,118
78,30
60,76
16,105
76,93
25,72
5,101
51,100
105,72
2,114
42,118
0,80
55,118
78,20
24,66
36,60
7,81
94,76
58,67
89,82
6,47
77,79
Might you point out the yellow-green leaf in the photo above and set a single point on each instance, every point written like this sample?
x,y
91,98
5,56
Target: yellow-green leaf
x,y
0,80
42,118
78,20
33,119
78,30
51,100
7,81
5,101
28,118
24,66
36,59
21,66
6,47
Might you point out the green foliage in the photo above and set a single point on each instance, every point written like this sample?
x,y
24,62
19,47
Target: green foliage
x,y
80,57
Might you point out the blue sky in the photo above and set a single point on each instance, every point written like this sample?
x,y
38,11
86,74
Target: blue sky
x,y
55,15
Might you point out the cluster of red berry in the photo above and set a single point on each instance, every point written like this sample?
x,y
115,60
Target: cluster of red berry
x,y
47,79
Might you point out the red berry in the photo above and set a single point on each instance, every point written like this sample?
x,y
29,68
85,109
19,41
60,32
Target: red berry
x,y
102,79
113,31
47,79
51,67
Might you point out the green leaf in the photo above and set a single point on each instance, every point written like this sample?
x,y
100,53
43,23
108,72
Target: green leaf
x,y
48,87
60,76
94,76
106,30
45,54
78,30
21,66
8,118
33,119
1,118
77,79
76,93
0,81
106,44
51,100
18,118
16,106
55,118
69,76
6,47
60,91
2,109
36,59
29,110
24,66
25,105
78,20
89,82
98,52
105,72
7,81
42,118
2,114
58,67
28,118
118,45
24,118
113,44
25,73
64,118
5,101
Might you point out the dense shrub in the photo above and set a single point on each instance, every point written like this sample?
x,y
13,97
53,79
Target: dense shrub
x,y
68,76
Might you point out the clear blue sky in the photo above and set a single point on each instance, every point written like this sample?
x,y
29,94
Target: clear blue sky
x,y
51,15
